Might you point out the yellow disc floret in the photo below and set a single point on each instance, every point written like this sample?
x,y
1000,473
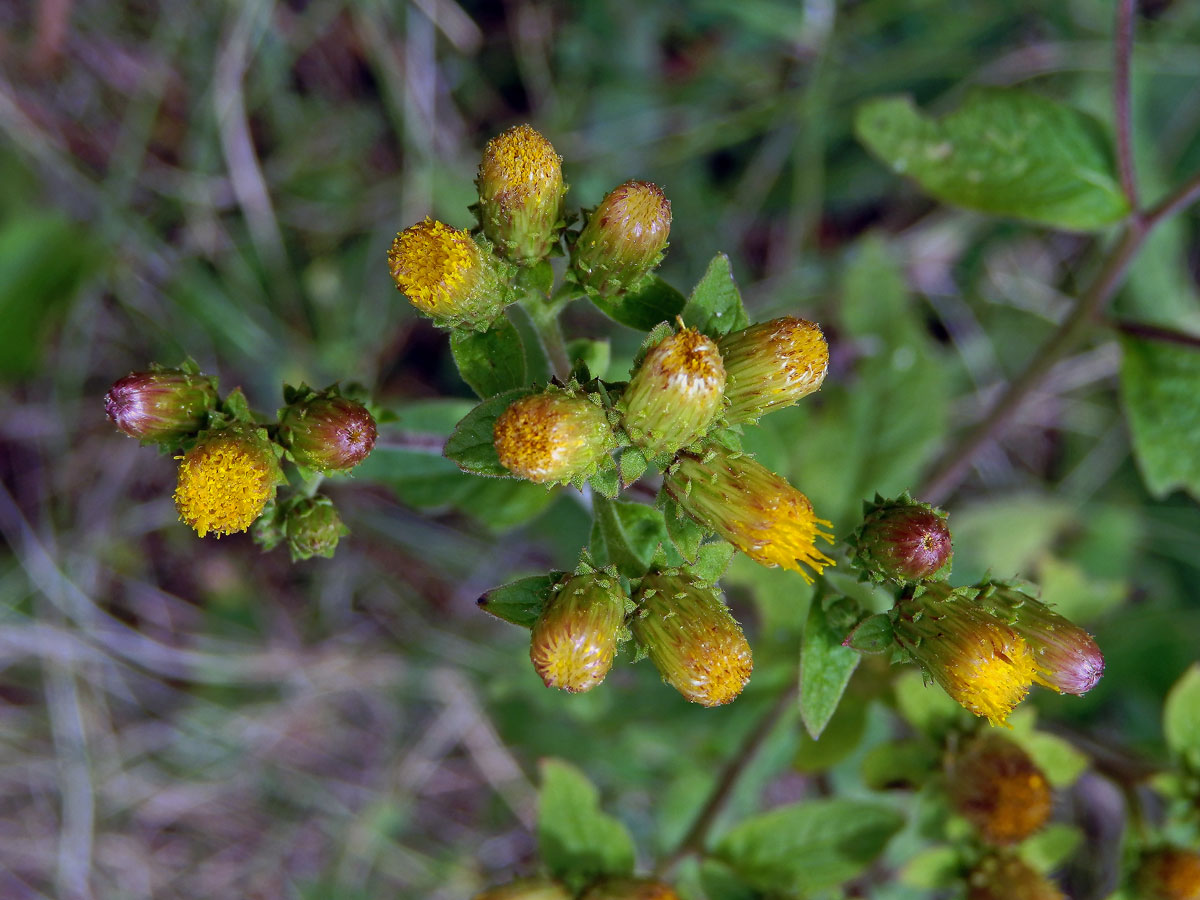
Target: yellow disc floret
x,y
993,674
432,264
225,481
552,437
772,365
517,164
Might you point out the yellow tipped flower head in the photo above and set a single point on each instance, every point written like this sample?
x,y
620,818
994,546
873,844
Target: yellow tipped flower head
x,y
574,640
751,507
1170,874
1007,877
446,275
226,480
1000,790
979,661
675,394
772,365
552,437
623,239
692,638
630,889
527,889
520,194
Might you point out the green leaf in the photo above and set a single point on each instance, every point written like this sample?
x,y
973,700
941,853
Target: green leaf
x,y
712,559
1004,151
471,444
899,764
1160,389
683,530
44,258
872,635
1057,757
720,883
520,602
538,278
653,302
633,465
626,535
1181,717
578,842
808,846
825,670
595,355
715,307
1050,847
933,868
491,361
926,707
840,738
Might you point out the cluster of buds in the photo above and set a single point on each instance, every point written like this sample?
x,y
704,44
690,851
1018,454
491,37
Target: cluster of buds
x,y
230,464
1000,790
538,888
987,650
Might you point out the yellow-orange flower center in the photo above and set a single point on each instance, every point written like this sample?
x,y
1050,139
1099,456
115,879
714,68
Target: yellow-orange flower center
x,y
224,484
992,674
550,437
431,262
518,164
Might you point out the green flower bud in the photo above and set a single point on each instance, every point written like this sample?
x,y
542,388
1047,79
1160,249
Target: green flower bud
x,y
553,437
162,405
313,528
771,365
903,541
623,239
327,432
527,889
574,640
1005,876
520,194
630,889
692,638
447,276
675,394
1169,874
1000,790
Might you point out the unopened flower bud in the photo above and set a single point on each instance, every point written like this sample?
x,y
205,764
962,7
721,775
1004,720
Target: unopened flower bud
x,y
692,638
574,640
1008,877
327,432
553,437
977,659
630,889
313,528
903,541
520,194
623,239
226,480
1000,790
751,507
1170,874
675,394
162,405
772,365
527,889
1067,656
446,275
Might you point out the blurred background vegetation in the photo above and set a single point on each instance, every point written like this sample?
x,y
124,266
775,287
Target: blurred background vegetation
x,y
190,718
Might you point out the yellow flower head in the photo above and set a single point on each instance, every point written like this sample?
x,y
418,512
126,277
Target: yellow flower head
x,y
692,638
574,640
1170,874
552,437
772,365
520,194
1000,790
624,238
751,507
225,481
675,394
1004,876
527,889
445,274
630,889
979,661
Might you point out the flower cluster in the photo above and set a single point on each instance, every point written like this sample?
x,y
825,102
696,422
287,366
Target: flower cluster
x,y
230,463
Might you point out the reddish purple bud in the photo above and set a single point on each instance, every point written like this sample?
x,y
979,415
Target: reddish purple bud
x,y
904,541
327,432
162,405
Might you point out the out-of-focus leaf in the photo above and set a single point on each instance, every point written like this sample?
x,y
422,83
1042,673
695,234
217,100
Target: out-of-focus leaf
x,y
596,355
825,670
471,444
1007,535
720,883
1160,389
926,707
656,301
491,361
44,258
1050,847
936,867
1181,717
839,739
1058,759
1066,587
626,535
503,503
903,764
1004,151
715,307
808,846
578,841
520,602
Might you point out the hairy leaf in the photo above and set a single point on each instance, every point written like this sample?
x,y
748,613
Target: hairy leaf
x,y
491,361
578,842
715,307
